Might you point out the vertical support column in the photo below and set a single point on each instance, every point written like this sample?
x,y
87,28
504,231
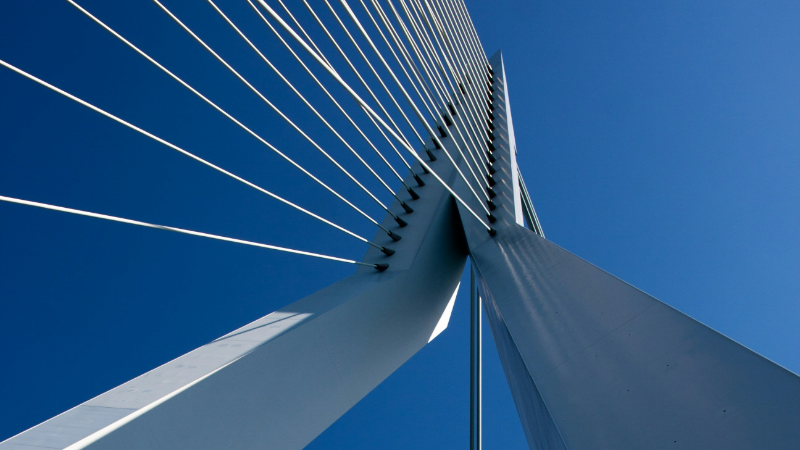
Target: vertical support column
x,y
476,371
479,370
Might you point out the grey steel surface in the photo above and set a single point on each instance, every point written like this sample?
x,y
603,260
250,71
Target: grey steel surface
x,y
280,381
594,363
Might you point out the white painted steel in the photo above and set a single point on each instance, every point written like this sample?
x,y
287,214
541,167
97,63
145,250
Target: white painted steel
x,y
594,363
283,379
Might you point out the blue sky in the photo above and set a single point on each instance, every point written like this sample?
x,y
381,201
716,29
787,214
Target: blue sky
x,y
660,141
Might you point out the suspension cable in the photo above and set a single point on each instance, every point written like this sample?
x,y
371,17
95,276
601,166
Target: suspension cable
x,y
358,75
474,55
405,206
380,267
347,87
438,60
432,74
319,83
374,72
344,113
455,39
419,114
442,105
432,93
453,62
470,27
401,48
427,102
182,151
303,30
406,56
446,32
209,102
469,104
397,219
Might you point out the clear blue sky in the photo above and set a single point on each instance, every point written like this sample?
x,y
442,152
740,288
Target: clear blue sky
x,y
660,141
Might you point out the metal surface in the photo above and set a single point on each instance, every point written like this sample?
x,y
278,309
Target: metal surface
x,y
475,366
594,363
283,379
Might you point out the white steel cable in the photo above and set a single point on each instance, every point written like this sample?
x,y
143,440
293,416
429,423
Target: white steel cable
x,y
319,83
471,54
464,130
462,41
374,72
435,87
400,221
407,56
470,89
455,18
209,102
458,53
455,61
419,114
469,103
407,208
478,54
470,26
350,64
180,150
380,267
431,34
401,48
347,87
361,78
435,78
371,68
427,102
305,34
427,61
475,56
422,33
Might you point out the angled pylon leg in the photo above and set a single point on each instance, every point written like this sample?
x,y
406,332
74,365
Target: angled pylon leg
x,y
280,381
594,363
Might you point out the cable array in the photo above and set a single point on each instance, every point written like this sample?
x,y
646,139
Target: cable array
x,y
380,267
425,58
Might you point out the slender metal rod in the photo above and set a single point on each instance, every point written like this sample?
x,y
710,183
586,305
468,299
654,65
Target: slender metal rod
x,y
479,402
472,358
475,370
533,221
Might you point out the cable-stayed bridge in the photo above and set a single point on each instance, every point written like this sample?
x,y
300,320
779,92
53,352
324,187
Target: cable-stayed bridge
x,y
428,162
